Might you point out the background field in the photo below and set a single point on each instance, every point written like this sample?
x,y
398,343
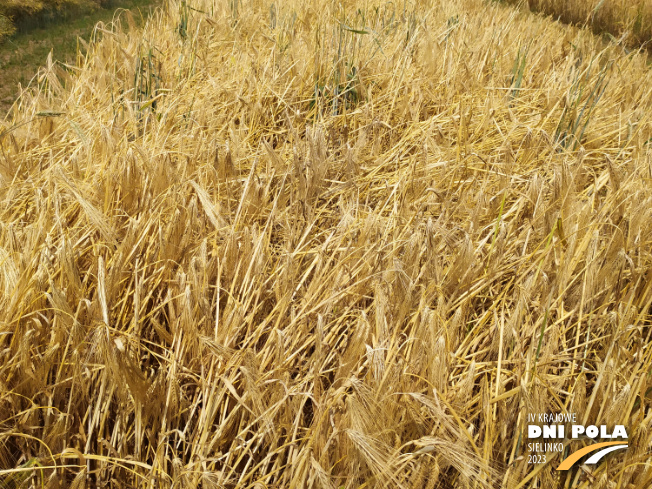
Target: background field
x,y
629,23
14,12
54,31
319,244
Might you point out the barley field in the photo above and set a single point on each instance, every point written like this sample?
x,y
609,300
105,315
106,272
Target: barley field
x,y
327,245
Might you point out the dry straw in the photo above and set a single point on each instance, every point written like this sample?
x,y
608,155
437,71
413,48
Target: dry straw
x,y
325,244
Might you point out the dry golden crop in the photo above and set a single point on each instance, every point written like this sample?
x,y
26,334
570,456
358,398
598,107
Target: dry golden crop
x,y
318,245
630,22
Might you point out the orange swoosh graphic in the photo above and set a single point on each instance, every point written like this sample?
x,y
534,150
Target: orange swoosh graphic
x,y
575,456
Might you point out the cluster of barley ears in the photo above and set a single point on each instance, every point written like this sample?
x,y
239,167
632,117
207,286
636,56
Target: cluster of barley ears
x,y
220,269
